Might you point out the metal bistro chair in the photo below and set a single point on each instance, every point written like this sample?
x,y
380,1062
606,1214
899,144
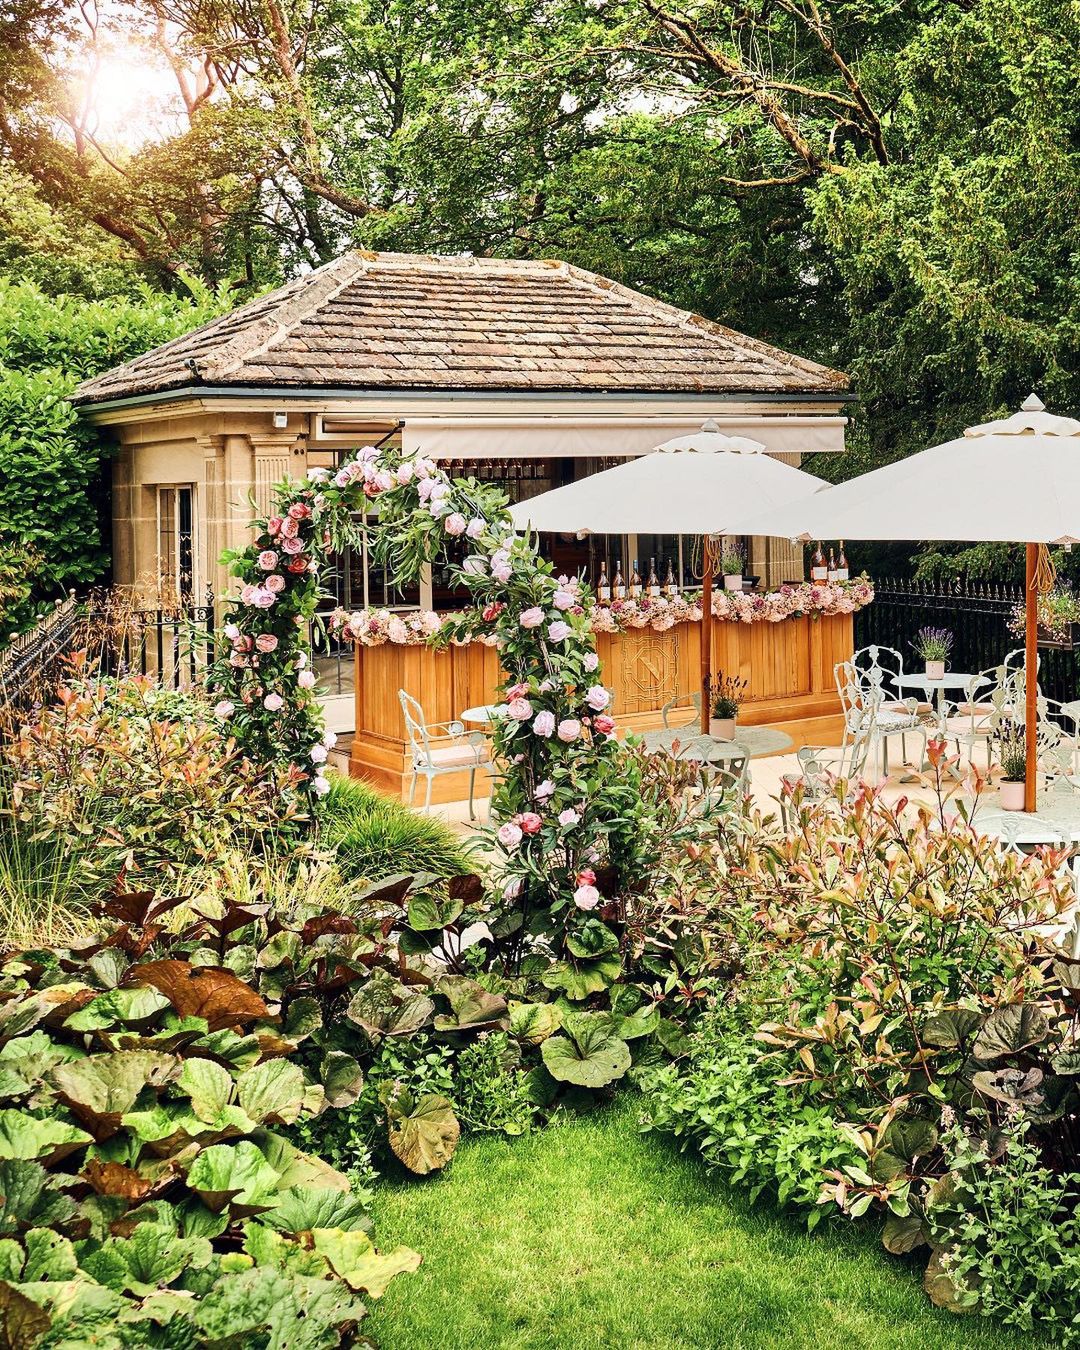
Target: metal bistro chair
x,y
721,778
467,750
870,711
681,703
820,768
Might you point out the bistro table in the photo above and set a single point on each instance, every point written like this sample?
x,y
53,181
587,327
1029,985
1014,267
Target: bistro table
x,y
752,741
483,714
1055,821
952,679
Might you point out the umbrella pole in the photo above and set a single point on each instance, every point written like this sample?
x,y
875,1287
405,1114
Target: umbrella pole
x,y
1031,676
706,631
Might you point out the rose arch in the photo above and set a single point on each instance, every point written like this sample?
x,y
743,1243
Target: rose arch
x,y
560,799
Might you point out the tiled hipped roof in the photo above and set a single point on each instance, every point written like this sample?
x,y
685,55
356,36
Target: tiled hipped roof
x,y
413,322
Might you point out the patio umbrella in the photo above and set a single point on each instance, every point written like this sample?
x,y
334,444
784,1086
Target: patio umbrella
x,y
1016,480
693,485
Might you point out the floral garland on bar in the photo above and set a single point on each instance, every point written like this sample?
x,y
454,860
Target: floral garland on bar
x,y
565,791
374,627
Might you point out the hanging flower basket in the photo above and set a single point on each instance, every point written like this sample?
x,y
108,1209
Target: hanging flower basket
x,y
1065,637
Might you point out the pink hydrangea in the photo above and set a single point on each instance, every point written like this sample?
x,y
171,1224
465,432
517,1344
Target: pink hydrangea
x,y
544,723
509,835
586,897
569,729
531,618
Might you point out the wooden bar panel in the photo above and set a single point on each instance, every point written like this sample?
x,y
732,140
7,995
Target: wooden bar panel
x,y
789,666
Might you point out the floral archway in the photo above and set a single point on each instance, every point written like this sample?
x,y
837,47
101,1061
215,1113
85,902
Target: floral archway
x,y
561,797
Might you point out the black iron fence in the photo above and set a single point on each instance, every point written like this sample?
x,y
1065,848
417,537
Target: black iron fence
x,y
978,615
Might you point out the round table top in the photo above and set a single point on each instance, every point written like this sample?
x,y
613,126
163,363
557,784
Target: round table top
x,y
1056,817
484,713
752,741
952,679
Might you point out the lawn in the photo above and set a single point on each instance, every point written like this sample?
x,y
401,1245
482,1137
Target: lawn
x,y
589,1234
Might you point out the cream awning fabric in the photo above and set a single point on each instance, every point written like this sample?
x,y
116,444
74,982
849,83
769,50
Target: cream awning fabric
x,y
605,437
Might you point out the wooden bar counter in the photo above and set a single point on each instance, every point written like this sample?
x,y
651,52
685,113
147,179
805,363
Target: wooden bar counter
x,y
789,666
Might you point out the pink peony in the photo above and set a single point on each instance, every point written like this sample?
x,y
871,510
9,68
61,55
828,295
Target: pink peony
x,y
224,709
569,817
273,703
569,729
405,473
509,835
266,642
558,631
604,724
530,822
384,481
544,723
591,662
306,679
597,697
502,572
519,709
586,897
531,618
268,560
475,528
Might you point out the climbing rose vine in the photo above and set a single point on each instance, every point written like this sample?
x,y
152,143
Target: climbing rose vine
x,y
563,793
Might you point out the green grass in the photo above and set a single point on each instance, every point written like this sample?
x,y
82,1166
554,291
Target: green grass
x,y
590,1235
375,836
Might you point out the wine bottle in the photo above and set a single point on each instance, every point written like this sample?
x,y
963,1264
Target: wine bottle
x,y
635,583
832,564
654,582
843,572
671,586
618,586
603,586
819,568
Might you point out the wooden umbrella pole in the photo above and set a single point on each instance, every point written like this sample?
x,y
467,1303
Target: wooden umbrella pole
x,y
1031,676
706,631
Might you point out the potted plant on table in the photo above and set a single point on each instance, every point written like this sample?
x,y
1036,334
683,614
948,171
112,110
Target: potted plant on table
x,y
732,559
725,695
1013,757
934,645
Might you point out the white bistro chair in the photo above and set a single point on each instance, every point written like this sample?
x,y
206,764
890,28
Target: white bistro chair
x,y
870,712
820,769
466,750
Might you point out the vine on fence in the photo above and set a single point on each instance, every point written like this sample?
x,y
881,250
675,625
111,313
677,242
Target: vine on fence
x,y
562,796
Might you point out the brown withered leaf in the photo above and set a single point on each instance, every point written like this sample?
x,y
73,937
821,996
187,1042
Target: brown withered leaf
x,y
468,888
113,1178
327,923
217,995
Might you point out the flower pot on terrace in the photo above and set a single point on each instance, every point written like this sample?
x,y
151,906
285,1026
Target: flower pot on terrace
x,y
722,727
1011,794
935,670
733,581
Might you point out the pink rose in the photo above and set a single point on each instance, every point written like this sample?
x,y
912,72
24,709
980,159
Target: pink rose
x,y
320,786
475,528
569,729
292,546
404,473
530,822
563,600
289,528
273,525
264,595
597,697
274,583
604,724
231,631
544,723
558,631
317,754
273,703
502,572
531,618
518,690
591,662
569,817
519,709
586,877
266,642
586,897
247,594
544,790
268,560
384,481
299,510
306,679
509,835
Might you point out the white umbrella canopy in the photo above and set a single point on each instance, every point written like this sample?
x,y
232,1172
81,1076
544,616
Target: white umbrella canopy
x,y
1015,480
695,484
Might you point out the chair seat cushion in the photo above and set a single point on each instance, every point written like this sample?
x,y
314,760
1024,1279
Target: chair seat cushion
x,y
975,709
896,721
458,756
920,708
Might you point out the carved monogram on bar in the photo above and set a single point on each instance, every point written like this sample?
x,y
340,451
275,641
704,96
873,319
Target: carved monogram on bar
x,y
651,664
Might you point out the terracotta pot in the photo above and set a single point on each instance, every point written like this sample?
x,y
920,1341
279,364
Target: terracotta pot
x,y
722,727
935,670
1011,794
733,582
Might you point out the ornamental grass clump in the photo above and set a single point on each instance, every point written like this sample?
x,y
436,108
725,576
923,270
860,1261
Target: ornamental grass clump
x,y
898,998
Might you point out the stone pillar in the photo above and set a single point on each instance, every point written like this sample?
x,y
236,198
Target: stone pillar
x,y
124,511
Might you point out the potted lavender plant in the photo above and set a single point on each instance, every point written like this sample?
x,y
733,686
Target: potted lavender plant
x,y
934,646
1013,757
732,558
726,695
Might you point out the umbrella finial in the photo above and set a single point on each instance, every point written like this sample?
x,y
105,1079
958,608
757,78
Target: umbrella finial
x,y
1033,403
